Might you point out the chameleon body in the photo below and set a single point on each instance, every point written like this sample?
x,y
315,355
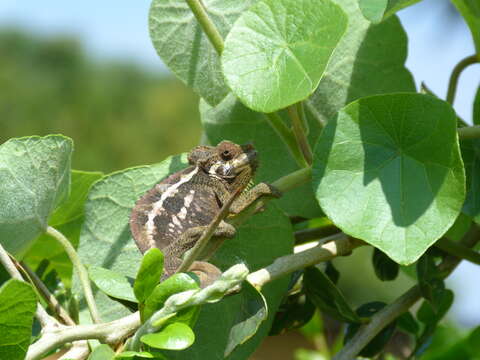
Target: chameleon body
x,y
174,213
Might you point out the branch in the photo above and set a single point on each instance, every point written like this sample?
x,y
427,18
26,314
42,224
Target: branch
x,y
109,333
45,320
469,132
82,272
299,131
457,70
207,25
458,250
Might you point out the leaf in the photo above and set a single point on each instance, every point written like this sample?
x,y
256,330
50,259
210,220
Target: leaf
x,y
102,352
407,323
135,354
173,285
326,296
471,159
176,336
476,108
369,60
381,339
385,268
470,10
106,242
429,280
250,315
277,51
378,10
184,47
384,177
18,302
34,179
431,313
232,120
72,208
111,283
149,274
295,312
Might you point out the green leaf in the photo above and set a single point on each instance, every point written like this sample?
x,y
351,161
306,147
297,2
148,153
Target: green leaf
x,y
34,179
431,285
385,268
470,10
381,339
149,274
378,10
106,242
407,323
176,336
326,296
295,312
431,313
102,352
18,302
369,60
72,208
232,120
471,159
250,315
184,47
384,177
476,108
173,285
277,51
112,283
135,354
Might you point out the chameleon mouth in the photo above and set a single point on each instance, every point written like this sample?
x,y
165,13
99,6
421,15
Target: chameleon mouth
x,y
246,160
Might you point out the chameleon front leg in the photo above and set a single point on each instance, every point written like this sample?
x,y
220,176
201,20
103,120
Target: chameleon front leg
x,y
205,271
248,198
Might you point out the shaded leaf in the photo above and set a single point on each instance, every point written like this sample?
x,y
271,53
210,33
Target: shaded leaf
x,y
233,121
378,10
432,313
383,177
470,10
380,340
112,283
184,47
176,336
471,159
34,179
431,285
102,352
174,284
476,108
332,273
295,312
276,52
369,60
385,268
149,274
18,302
326,296
407,323
252,312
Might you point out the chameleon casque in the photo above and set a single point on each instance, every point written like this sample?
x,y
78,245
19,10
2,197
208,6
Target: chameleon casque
x,y
174,213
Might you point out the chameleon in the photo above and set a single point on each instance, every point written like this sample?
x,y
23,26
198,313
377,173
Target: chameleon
x,y
174,213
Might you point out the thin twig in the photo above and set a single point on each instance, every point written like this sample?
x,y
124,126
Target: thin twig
x,y
45,320
52,302
457,70
299,132
80,268
469,132
305,235
207,25
458,250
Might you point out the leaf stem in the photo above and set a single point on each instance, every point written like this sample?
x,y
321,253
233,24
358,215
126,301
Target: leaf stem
x,y
457,70
207,25
469,132
276,122
45,320
458,250
296,113
82,272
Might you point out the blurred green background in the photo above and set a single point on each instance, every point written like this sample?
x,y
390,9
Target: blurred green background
x,y
118,114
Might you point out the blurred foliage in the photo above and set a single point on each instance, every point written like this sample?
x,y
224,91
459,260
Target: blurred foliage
x,y
119,115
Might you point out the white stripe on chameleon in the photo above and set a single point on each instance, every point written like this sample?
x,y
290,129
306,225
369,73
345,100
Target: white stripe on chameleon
x,y
158,205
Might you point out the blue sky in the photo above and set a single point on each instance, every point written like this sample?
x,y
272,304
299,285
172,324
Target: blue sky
x,y
118,29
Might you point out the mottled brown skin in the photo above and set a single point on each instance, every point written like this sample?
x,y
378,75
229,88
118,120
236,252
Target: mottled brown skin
x,y
174,213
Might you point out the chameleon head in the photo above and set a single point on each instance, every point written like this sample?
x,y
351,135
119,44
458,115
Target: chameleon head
x,y
227,161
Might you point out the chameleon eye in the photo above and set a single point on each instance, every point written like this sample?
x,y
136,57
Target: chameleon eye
x,y
226,155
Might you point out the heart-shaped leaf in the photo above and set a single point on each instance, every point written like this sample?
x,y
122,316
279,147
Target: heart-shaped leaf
x,y
149,274
388,171
34,179
184,47
378,10
470,10
277,51
251,314
18,302
176,336
369,60
112,283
